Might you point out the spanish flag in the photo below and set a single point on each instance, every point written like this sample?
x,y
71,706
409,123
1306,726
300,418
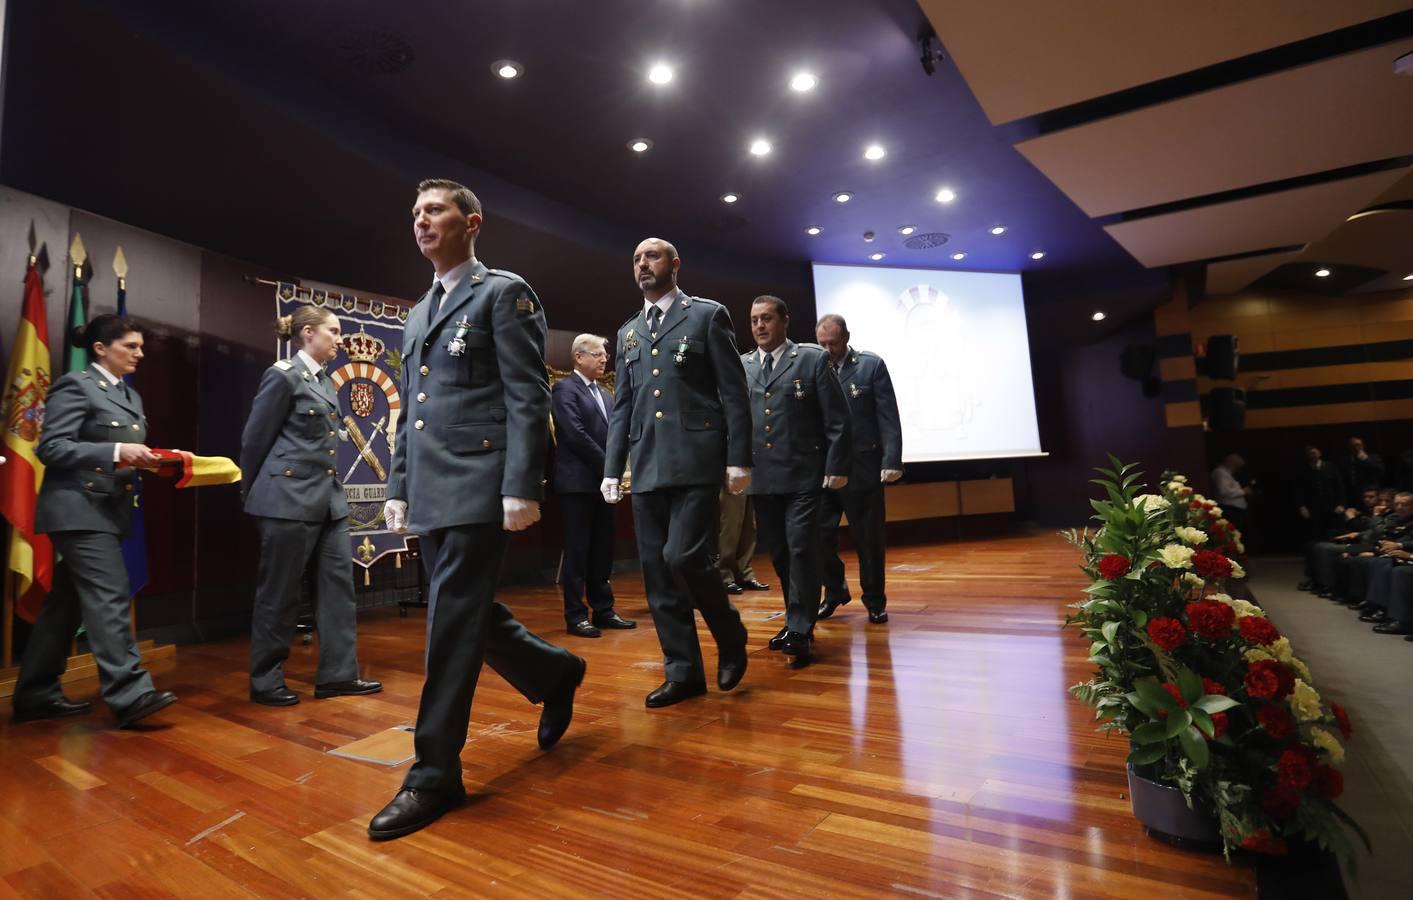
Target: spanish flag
x,y
191,470
29,555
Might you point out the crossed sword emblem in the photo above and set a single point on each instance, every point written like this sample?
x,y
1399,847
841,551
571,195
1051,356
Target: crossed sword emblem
x,y
365,451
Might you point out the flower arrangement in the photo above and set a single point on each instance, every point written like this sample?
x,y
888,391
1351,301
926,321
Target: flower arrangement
x,y
1210,694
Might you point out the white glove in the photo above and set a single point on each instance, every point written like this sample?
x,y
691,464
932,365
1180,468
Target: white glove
x,y
395,515
738,478
1304,512
888,476
835,482
518,513
609,488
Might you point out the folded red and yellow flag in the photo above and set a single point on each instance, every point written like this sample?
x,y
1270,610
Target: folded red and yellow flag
x,y
191,470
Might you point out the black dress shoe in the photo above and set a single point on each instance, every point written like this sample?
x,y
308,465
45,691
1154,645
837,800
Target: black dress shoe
x,y
1354,604
734,588
54,709
584,629
1393,626
826,609
613,620
1325,593
796,648
280,696
731,663
1305,585
1376,615
355,688
751,584
412,809
145,706
779,640
670,692
554,718
878,617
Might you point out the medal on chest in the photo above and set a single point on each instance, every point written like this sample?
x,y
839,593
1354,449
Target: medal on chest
x,y
853,390
799,390
680,357
457,345
630,340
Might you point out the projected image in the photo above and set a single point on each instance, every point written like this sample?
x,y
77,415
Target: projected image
x,y
956,345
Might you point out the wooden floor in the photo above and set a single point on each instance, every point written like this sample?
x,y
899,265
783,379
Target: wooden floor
x,y
938,756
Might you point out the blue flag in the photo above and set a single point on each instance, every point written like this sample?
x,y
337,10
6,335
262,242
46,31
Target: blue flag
x,y
135,544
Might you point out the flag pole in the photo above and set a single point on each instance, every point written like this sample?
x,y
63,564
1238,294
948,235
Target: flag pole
x,y
7,653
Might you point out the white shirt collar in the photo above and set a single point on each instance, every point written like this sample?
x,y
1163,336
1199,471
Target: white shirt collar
x,y
663,303
112,379
451,279
584,378
314,367
774,354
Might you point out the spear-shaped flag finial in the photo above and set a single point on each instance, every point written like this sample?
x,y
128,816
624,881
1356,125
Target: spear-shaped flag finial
x,y
33,242
120,268
78,254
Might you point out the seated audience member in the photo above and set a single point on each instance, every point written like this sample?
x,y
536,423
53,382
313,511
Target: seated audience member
x,y
1322,559
1399,618
1367,569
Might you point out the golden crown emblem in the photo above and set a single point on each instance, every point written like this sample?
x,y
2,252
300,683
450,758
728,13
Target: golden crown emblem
x,y
363,347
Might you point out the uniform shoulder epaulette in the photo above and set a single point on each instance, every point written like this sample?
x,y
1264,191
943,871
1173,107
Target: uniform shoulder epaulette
x,y
503,273
284,364
810,345
869,353
705,300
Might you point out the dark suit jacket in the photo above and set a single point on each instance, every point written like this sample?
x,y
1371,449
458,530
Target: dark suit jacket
x,y
873,408
289,446
581,433
684,422
83,488
800,421
476,425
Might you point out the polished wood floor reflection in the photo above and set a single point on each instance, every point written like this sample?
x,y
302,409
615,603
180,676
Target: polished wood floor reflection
x,y
935,756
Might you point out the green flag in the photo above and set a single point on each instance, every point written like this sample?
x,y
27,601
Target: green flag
x,y
76,358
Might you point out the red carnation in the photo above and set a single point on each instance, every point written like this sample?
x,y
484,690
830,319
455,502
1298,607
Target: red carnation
x,y
1213,687
1211,564
1296,767
1113,566
1258,630
1329,783
1211,619
1195,504
1176,692
1342,720
1281,802
1167,633
1276,720
1264,842
1269,679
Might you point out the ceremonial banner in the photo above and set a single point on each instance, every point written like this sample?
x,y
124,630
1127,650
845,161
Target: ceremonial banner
x,y
28,555
366,374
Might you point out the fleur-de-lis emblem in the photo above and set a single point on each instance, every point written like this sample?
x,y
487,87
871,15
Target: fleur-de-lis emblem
x,y
366,550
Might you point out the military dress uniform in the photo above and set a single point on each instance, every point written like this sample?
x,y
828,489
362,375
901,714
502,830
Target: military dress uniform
x,y
800,433
85,506
878,445
292,488
682,414
476,430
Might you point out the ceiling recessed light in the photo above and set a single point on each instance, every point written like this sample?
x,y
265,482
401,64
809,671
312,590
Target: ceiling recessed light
x,y
1408,277
999,229
959,256
874,152
868,237
640,145
906,230
843,197
760,147
813,230
1098,316
660,73
946,195
1322,273
877,256
802,82
1038,254
507,68
730,197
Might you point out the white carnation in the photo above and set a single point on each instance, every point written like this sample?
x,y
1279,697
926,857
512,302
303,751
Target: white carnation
x,y
1304,702
1193,580
1328,743
1255,654
1236,570
1151,503
1176,556
1180,479
1194,536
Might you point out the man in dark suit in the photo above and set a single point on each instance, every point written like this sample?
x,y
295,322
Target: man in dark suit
x,y
581,408
801,442
466,470
682,409
878,460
